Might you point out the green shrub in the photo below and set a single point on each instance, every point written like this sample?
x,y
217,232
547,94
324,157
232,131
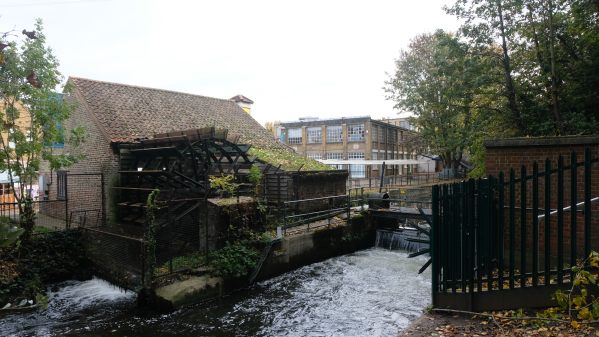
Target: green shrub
x,y
9,233
234,260
255,175
224,184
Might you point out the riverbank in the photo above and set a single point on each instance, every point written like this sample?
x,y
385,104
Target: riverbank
x,y
500,325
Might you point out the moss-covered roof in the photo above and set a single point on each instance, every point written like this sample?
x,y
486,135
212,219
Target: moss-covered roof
x,y
289,161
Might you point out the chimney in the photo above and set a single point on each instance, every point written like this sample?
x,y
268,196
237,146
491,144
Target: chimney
x,y
244,102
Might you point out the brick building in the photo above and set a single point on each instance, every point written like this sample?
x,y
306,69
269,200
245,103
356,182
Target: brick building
x,y
111,113
350,138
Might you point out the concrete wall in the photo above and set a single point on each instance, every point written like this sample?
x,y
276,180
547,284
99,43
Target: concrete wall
x,y
300,250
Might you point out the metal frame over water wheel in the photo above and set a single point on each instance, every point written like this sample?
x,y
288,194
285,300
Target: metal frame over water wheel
x,y
427,232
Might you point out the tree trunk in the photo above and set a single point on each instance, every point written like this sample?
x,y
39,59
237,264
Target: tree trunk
x,y
507,70
554,80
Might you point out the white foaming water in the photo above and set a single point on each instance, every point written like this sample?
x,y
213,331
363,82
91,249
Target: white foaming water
x,y
70,301
369,293
375,292
75,295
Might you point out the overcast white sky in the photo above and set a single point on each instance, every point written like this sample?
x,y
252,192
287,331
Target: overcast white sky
x,y
293,58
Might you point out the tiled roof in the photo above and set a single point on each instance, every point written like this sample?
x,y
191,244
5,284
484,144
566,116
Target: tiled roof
x,y
242,99
127,112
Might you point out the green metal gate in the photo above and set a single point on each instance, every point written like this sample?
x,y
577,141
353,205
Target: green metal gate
x,y
509,241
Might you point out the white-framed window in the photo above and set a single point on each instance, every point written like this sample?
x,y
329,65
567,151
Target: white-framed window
x,y
381,135
355,132
294,136
334,134
314,135
356,171
335,155
314,155
375,156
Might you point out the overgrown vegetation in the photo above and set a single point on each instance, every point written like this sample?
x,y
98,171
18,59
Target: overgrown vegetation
x,y
225,184
9,232
179,263
234,260
288,160
243,240
150,236
49,257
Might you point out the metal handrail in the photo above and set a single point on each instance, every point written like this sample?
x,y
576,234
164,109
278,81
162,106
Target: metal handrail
x,y
567,208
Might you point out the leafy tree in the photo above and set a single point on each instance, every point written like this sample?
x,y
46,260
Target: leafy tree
x,y
450,91
549,52
31,114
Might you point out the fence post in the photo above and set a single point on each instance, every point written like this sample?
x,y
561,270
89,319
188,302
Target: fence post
x,y
523,226
560,219
547,220
501,228
587,202
66,201
574,199
512,216
535,223
434,244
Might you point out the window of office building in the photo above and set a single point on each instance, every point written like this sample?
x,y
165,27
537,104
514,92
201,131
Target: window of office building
x,y
356,171
355,132
334,134
314,135
375,156
381,135
314,155
294,136
393,136
335,155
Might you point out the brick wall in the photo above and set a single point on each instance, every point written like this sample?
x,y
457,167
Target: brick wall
x,y
503,155
84,191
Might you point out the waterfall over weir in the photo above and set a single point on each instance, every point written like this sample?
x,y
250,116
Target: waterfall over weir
x,y
397,239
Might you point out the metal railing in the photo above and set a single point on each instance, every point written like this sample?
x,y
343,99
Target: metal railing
x,y
519,231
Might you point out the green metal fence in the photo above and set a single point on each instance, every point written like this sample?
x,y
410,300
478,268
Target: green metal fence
x,y
509,241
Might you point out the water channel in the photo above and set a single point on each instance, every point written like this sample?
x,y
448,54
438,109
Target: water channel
x,y
374,292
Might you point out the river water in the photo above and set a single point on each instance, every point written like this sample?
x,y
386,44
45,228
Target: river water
x,y
374,292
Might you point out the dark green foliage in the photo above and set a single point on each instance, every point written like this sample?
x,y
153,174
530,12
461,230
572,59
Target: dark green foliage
x,y
46,258
255,175
234,260
451,90
9,233
514,68
549,52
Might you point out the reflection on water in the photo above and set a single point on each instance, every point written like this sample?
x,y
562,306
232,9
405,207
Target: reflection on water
x,y
369,293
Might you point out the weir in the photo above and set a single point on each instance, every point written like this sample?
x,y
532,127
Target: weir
x,y
399,239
